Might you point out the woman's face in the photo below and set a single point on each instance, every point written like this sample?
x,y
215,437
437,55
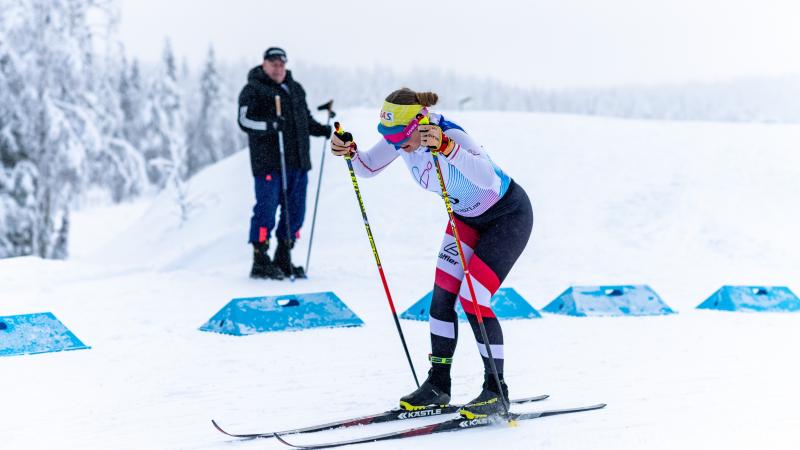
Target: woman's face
x,y
412,143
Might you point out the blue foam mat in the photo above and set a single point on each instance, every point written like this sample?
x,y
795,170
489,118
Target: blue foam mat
x,y
752,299
506,304
605,301
294,312
29,334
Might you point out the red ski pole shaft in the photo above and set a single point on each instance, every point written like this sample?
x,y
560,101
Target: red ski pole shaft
x,y
349,160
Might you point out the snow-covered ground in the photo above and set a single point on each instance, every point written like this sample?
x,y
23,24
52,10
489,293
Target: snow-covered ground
x,y
684,207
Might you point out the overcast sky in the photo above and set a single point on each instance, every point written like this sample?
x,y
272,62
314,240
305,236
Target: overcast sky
x,y
550,43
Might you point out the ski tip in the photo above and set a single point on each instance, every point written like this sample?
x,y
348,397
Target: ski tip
x,y
530,399
219,428
238,436
279,438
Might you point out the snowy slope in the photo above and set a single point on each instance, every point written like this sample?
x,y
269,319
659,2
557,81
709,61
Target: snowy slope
x,y
684,207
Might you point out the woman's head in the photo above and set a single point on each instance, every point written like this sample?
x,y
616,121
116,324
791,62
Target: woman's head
x,y
399,117
405,96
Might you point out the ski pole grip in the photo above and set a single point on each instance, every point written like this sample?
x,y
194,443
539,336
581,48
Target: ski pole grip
x,y
327,107
345,136
278,105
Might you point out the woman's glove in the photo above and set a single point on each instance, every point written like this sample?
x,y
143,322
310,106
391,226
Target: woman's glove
x,y
342,142
431,136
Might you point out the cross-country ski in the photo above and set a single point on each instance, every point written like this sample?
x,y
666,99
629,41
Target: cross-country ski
x,y
386,416
457,424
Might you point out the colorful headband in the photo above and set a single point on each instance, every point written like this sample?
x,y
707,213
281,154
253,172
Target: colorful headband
x,y
401,130
393,115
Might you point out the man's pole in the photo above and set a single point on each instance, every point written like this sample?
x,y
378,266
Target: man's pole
x,y
285,212
326,107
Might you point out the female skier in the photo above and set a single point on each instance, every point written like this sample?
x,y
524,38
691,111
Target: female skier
x,y
493,218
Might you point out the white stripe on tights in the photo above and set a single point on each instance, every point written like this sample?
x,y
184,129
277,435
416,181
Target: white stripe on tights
x,y
481,293
497,351
454,269
442,328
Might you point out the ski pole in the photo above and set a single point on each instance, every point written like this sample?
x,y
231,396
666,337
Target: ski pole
x,y
468,277
329,107
347,137
285,212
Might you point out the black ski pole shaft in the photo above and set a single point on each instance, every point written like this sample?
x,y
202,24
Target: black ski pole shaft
x,y
468,277
285,212
329,107
347,137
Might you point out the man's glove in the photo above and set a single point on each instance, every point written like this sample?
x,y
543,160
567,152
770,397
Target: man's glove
x,y
431,136
342,144
278,124
328,130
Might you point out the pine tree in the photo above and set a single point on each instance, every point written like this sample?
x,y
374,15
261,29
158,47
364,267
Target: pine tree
x,y
132,101
164,138
213,132
118,168
18,174
48,121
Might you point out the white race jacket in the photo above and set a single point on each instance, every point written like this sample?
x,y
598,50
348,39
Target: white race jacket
x,y
474,183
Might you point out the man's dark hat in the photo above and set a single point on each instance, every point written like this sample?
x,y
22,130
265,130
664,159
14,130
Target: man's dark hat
x,y
275,53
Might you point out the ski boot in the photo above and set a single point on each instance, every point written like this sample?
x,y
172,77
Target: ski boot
x,y
263,267
435,391
489,402
283,260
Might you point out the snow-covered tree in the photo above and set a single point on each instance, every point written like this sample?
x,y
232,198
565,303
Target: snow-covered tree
x,y
119,167
164,135
48,123
18,173
164,140
132,102
213,132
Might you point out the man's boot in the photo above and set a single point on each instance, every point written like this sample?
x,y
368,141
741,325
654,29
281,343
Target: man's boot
x,y
283,259
263,267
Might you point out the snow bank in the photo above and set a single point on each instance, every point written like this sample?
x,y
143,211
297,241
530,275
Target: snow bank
x,y
682,207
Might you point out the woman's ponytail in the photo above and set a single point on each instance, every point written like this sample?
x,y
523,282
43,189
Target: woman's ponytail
x,y
427,98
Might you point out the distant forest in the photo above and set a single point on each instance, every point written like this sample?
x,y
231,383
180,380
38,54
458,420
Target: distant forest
x,y
78,115
769,99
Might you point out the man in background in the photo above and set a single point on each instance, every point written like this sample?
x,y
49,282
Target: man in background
x,y
259,119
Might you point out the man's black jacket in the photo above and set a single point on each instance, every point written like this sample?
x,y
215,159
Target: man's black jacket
x,y
257,116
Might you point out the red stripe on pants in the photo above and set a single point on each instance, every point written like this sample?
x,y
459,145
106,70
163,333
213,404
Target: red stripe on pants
x,y
447,282
466,303
468,235
484,274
